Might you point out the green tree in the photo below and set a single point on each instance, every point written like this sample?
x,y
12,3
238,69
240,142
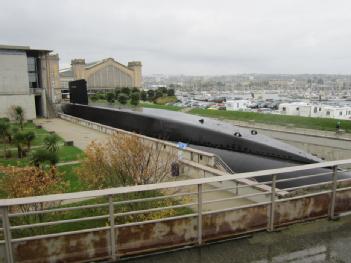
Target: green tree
x,y
126,90
4,130
163,90
42,156
51,142
123,98
170,92
117,91
29,137
19,115
135,89
110,97
150,94
143,95
158,94
20,140
135,98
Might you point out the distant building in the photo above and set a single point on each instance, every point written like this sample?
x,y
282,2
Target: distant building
x,y
237,105
28,78
315,110
105,74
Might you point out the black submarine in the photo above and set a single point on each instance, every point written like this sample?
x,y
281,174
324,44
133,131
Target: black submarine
x,y
244,150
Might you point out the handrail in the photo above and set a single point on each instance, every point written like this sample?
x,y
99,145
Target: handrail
x,y
222,176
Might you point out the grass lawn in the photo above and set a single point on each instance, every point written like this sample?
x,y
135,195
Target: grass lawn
x,y
159,106
300,122
70,175
166,99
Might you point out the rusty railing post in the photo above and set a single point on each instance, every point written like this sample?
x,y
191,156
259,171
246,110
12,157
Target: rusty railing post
x,y
112,229
272,209
333,193
199,214
7,234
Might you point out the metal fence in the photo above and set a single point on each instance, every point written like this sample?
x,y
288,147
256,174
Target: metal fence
x,y
112,223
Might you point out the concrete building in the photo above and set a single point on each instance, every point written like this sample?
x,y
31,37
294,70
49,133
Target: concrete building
x,y
105,74
28,78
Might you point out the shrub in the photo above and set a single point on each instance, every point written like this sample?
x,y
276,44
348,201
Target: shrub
x,y
17,114
94,98
126,90
134,98
20,140
150,94
42,156
123,98
143,95
110,97
51,142
29,137
170,92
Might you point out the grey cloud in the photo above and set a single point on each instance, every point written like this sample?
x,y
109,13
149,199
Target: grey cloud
x,y
189,37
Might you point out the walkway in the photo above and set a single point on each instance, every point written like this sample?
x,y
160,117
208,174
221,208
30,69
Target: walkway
x,y
81,136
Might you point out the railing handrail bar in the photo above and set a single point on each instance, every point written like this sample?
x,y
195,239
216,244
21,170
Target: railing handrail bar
x,y
222,176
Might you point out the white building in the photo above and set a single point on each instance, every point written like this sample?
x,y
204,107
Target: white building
x,y
315,110
237,105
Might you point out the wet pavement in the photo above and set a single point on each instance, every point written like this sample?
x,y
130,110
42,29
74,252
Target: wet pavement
x,y
318,241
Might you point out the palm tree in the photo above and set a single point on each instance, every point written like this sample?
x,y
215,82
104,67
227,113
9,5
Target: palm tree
x,y
51,142
19,115
4,130
29,137
19,139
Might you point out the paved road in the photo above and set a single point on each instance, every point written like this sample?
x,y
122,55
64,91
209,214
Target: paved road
x,y
81,136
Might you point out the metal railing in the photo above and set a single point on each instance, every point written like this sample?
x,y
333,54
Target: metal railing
x,y
114,210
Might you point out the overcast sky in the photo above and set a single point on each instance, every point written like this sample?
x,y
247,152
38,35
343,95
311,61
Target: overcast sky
x,y
188,36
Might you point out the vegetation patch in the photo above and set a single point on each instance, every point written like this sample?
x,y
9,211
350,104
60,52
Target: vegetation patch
x,y
284,120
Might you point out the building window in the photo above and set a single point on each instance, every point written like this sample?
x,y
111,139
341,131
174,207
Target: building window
x,y
33,77
340,113
315,110
297,108
284,109
328,113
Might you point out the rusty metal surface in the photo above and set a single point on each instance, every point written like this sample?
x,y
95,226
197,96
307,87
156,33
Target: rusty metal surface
x,y
176,232
236,222
156,236
301,209
70,248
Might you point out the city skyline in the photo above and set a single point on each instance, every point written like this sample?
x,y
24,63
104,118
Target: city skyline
x,y
189,37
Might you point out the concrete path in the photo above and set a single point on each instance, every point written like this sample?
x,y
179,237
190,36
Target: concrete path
x,y
81,136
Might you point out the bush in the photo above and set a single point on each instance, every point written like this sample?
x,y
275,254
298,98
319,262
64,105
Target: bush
x,y
51,142
158,94
143,95
101,96
29,137
134,98
110,97
94,98
170,92
123,98
126,91
150,94
42,156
